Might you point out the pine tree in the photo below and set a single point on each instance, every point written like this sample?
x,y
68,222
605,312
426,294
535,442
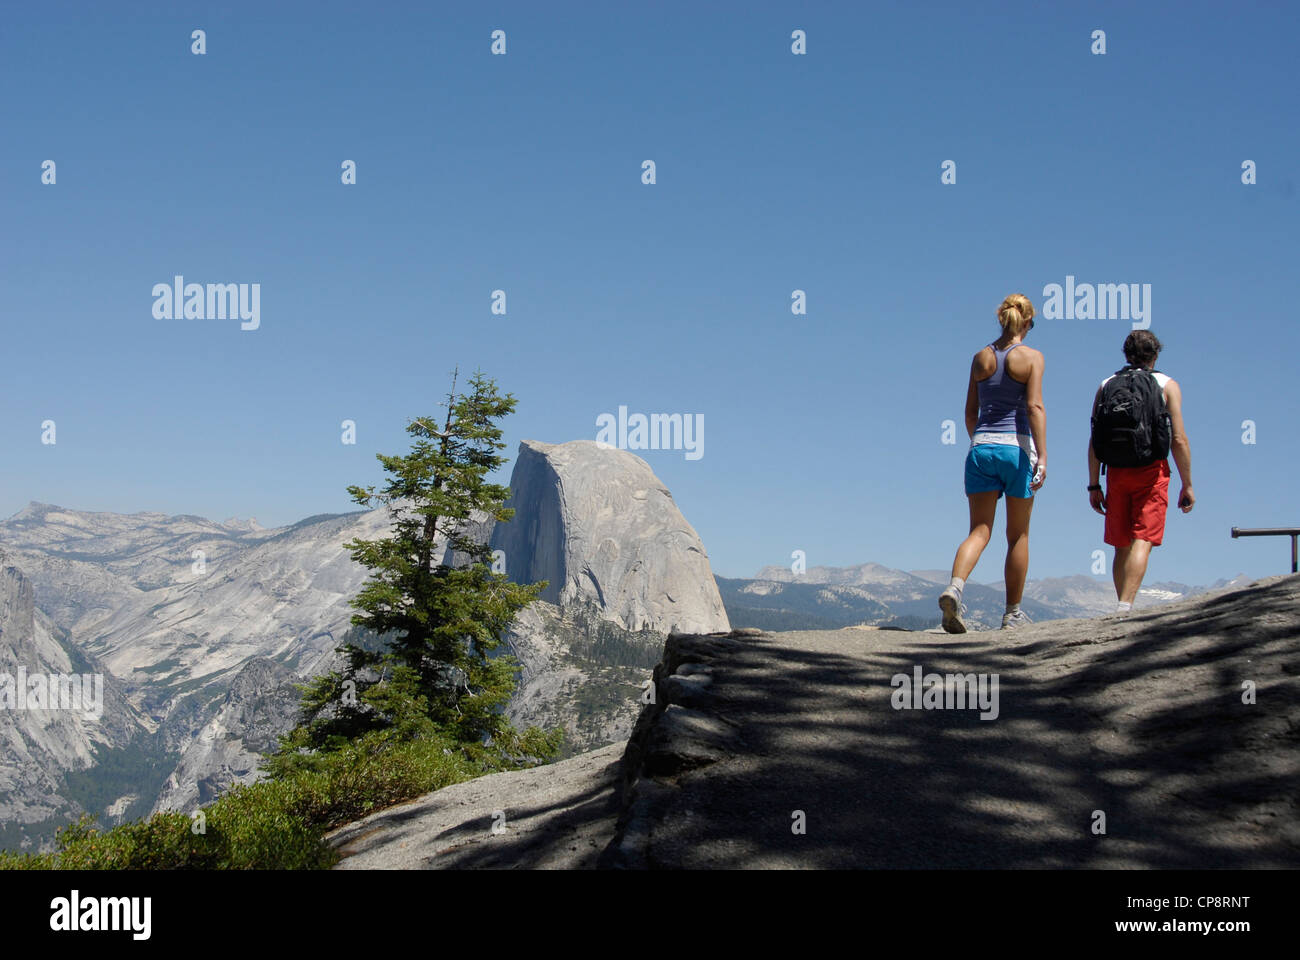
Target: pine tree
x,y
432,615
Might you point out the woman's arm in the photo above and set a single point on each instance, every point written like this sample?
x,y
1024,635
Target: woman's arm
x,y
1037,412
972,400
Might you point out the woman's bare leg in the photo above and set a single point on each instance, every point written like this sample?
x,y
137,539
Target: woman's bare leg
x,y
1017,568
983,510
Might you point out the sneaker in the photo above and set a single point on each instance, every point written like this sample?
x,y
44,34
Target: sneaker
x,y
953,610
1018,619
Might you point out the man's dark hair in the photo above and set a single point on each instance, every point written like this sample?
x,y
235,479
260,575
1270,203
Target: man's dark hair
x,y
1141,348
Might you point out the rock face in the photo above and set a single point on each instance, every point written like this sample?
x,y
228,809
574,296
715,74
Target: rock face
x,y
580,672
600,527
38,745
260,704
30,751
555,817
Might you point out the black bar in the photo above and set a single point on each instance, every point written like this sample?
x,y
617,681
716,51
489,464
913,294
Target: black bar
x,y
1024,905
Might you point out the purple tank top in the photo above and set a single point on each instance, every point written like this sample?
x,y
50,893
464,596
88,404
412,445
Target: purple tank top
x,y
1002,399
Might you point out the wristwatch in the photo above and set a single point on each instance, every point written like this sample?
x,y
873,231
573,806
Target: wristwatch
x,y
1094,486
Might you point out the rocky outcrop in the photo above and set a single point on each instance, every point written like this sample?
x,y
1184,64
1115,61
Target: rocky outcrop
x,y
1178,726
555,817
600,528
1175,729
684,729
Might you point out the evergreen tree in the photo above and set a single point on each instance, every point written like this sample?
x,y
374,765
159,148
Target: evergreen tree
x,y
432,615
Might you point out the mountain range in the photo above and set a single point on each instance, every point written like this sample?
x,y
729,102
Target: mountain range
x,y
203,629
777,598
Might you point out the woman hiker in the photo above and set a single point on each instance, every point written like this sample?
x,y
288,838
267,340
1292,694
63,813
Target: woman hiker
x,y
1008,454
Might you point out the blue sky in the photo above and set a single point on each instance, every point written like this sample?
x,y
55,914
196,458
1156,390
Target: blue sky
x,y
522,172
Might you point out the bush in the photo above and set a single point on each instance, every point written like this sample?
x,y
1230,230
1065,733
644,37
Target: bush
x,y
280,823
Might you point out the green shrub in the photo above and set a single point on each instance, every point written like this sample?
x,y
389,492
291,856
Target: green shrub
x,y
279,824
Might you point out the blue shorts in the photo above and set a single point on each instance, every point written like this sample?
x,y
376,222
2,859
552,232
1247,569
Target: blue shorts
x,y
1001,467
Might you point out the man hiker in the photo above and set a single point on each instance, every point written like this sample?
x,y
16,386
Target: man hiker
x,y
1137,421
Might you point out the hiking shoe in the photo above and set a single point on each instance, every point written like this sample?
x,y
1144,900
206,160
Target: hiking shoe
x,y
953,610
1018,619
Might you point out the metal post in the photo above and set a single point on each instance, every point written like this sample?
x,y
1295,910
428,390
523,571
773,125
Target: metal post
x,y
1292,532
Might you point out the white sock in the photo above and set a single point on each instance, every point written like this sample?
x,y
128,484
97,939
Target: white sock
x,y
1124,607
1012,608
959,583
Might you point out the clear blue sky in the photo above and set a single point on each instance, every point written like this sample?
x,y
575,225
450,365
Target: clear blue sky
x,y
523,172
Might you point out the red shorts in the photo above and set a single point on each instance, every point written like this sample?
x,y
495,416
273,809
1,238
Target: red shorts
x,y
1136,501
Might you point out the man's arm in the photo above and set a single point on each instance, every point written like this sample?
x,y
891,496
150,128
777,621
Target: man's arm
x,y
1095,497
1178,445
1037,416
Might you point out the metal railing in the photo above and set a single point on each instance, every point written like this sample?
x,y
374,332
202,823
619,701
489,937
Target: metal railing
x,y
1292,532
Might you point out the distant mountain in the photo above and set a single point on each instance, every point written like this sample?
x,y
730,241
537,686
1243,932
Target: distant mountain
x,y
193,621
821,598
1084,596
869,593
202,629
38,746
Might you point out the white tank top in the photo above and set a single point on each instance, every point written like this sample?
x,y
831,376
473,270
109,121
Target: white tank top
x,y
1161,379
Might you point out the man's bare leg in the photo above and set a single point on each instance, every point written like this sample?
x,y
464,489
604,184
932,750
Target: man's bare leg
x,y
1130,568
1117,568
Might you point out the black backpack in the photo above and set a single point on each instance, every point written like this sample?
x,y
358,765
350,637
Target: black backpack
x,y
1130,425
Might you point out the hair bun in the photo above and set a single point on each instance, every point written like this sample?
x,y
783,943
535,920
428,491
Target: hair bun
x,y
1015,313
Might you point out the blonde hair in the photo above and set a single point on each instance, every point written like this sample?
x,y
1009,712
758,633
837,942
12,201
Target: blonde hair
x,y
1014,315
